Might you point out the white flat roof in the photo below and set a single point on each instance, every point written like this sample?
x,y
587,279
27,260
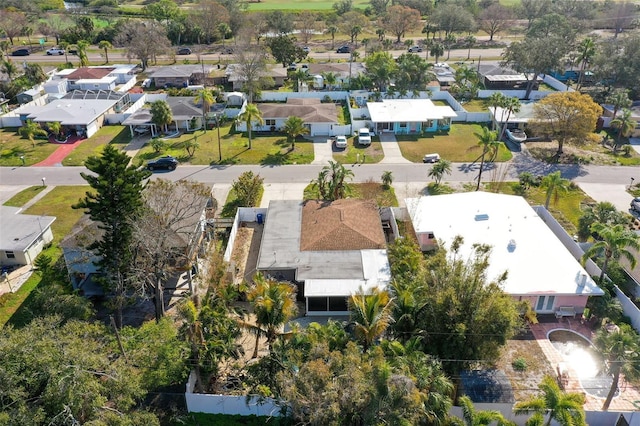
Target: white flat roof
x,y
407,110
376,271
69,111
536,260
523,116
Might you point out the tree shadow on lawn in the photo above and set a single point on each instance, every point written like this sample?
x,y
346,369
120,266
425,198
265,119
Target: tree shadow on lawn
x,y
277,159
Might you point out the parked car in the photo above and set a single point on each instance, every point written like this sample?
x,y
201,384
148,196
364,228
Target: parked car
x,y
292,66
635,205
227,51
341,142
415,49
184,51
306,49
72,51
141,130
163,163
146,83
55,51
20,52
364,136
431,158
344,49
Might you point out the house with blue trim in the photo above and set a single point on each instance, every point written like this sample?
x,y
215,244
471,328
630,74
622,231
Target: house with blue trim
x,y
409,116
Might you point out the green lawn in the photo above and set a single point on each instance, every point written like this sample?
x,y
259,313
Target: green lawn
x,y
12,146
458,145
475,105
96,143
56,203
22,197
385,197
354,152
266,150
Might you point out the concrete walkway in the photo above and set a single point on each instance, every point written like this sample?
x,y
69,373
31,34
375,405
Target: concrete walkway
x,y
136,145
392,154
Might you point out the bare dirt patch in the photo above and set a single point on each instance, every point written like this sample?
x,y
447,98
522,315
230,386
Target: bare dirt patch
x,y
589,153
524,383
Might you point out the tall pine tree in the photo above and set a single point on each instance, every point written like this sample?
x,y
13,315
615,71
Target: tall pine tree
x,y
115,200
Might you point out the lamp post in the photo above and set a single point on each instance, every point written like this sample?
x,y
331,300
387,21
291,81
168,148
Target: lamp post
x,y
219,147
631,183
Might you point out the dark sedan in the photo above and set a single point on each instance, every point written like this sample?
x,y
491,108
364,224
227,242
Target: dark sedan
x,y
20,52
163,163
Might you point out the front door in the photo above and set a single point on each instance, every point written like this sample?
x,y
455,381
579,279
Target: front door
x,y
545,303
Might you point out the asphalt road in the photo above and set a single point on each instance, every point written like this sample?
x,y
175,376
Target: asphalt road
x,y
461,172
116,55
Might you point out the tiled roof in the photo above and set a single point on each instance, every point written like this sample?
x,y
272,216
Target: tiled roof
x,y
341,225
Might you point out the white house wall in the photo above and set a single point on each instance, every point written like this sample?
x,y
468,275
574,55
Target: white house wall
x,y
92,128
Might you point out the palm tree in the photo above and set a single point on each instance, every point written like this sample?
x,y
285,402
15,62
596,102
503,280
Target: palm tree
x,y
82,52
55,127
469,41
30,130
472,417
205,97
9,68
294,127
437,50
332,30
614,241
250,115
511,105
555,183
370,315
224,29
625,125
331,182
489,143
64,46
273,303
330,79
586,52
497,99
449,41
620,348
105,45
161,114
563,407
301,76
387,178
28,31
620,100
190,313
439,169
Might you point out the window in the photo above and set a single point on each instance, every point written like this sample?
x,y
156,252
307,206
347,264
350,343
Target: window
x,y
338,304
317,304
10,254
402,125
270,122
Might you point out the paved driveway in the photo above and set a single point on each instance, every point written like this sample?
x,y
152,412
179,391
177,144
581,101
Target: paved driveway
x,y
322,150
616,194
635,144
392,154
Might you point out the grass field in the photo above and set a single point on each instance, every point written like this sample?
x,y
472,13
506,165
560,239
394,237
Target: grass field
x,y
300,4
22,197
12,146
355,152
384,196
95,144
56,203
458,145
266,150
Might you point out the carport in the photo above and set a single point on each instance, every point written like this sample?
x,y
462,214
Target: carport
x,y
140,119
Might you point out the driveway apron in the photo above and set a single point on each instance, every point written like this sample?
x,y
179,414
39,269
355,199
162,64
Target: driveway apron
x,y
322,150
392,154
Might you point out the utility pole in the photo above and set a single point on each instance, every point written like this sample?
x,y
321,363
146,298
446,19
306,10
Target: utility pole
x,y
219,147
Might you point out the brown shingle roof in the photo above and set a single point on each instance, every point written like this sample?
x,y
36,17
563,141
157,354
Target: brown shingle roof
x,y
89,73
309,110
341,225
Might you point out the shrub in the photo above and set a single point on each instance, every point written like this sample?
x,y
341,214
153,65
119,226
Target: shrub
x,y
519,364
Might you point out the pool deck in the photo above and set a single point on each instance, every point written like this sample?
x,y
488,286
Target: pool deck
x,y
629,398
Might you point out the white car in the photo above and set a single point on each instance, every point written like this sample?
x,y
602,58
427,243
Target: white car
x,y
341,142
364,136
415,49
141,130
55,51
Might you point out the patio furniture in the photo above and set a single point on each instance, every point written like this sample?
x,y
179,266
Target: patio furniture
x,y
566,311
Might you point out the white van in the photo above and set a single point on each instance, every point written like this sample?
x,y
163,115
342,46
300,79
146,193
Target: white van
x,y
364,136
431,158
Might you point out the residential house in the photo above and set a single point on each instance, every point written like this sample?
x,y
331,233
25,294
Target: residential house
x,y
539,267
495,77
107,78
409,116
23,236
331,250
318,117
81,112
514,119
186,238
342,71
180,75
277,73
28,96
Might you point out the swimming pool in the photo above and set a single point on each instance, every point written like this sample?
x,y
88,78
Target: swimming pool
x,y
584,359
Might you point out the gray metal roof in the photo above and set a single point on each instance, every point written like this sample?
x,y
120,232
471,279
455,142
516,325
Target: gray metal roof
x,y
19,231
